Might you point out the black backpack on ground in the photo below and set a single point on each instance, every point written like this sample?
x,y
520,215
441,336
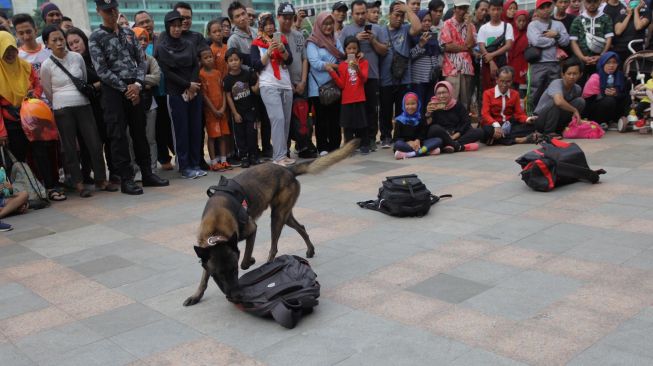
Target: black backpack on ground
x,y
284,289
403,195
554,164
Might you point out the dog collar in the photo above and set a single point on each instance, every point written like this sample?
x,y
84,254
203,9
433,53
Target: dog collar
x,y
213,240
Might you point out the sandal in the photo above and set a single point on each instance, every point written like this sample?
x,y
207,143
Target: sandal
x,y
533,138
107,187
57,196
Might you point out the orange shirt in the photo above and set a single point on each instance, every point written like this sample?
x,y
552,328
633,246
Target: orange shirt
x,y
212,86
218,54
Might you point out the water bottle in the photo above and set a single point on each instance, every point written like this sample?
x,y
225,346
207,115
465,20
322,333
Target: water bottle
x,y
610,83
506,127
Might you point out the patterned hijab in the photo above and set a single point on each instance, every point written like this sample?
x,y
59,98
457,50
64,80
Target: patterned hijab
x,y
452,101
322,40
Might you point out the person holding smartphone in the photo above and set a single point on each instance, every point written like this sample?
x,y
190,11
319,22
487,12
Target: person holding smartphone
x,y
631,25
271,55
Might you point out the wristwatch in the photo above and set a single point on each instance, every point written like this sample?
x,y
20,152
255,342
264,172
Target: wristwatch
x,y
496,124
140,87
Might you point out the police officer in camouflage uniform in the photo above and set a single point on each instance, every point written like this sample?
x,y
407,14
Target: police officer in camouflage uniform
x,y
120,64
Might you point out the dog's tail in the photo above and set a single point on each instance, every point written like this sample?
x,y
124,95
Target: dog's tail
x,y
322,163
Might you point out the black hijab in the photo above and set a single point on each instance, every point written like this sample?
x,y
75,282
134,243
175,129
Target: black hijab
x,y
174,52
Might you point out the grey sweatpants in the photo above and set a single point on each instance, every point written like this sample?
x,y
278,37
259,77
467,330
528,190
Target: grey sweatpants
x,y
278,103
70,120
542,74
555,119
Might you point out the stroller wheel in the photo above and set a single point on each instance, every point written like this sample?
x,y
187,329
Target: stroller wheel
x,y
622,125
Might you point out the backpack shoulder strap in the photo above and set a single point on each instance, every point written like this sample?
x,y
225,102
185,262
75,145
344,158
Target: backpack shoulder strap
x,y
577,172
374,205
435,199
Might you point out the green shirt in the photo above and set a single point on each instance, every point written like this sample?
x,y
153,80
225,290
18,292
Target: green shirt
x,y
591,33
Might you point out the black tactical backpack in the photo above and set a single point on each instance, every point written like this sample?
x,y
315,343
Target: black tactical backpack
x,y
403,195
284,289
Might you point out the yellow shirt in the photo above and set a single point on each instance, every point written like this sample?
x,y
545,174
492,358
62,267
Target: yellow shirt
x,y
649,86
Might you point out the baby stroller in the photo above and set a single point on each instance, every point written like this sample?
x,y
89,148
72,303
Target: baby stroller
x,y
637,68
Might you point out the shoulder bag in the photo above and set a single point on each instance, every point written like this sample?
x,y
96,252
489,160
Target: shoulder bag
x,y
329,92
399,62
82,86
533,54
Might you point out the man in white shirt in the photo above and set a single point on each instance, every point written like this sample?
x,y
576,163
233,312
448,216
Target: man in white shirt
x,y
494,39
30,51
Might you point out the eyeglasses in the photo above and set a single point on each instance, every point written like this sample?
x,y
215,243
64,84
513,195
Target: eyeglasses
x,y
186,18
504,82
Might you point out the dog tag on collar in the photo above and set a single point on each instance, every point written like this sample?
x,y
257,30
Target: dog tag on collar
x,y
213,240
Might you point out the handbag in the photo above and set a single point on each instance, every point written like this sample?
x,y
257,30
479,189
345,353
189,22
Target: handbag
x,y
499,41
329,91
399,64
583,130
533,54
24,180
436,71
37,121
82,86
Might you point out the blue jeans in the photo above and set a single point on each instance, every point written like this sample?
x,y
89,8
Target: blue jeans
x,y
430,144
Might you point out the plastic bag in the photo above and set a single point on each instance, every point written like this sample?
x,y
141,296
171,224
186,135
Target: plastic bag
x,y
583,130
37,120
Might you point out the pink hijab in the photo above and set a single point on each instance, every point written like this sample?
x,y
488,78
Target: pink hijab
x,y
452,101
322,40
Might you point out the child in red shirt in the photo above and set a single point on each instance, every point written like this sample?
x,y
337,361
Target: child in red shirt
x,y
351,78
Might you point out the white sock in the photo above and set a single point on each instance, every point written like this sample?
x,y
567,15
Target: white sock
x,y
223,159
216,160
411,154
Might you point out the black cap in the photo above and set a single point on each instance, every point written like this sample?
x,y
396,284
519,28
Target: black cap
x,y
374,4
171,16
106,4
286,9
339,5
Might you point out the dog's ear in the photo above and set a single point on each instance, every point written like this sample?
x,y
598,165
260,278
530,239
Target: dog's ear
x,y
204,253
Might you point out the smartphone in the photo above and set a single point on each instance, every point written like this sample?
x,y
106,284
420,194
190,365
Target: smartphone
x,y
633,4
277,36
310,12
351,57
368,27
434,34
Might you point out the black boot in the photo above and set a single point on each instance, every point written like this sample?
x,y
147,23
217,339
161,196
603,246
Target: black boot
x,y
153,180
128,186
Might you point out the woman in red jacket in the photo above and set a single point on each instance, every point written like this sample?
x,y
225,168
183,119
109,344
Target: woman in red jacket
x,y
519,45
351,78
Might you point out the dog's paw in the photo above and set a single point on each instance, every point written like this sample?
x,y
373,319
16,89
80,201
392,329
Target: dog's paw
x,y
245,265
310,253
191,301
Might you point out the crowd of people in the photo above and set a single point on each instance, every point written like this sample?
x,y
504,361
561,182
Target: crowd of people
x,y
126,99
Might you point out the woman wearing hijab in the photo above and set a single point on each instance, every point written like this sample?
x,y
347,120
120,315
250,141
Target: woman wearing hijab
x,y
606,92
271,56
449,120
410,131
324,51
179,63
425,56
519,45
19,80
510,7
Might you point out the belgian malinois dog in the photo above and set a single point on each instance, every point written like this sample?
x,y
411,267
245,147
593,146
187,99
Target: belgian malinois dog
x,y
225,223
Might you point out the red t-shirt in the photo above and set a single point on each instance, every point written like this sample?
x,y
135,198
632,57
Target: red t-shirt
x,y
351,82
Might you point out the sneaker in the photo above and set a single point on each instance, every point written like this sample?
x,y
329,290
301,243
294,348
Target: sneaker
x,y
289,161
435,151
201,172
399,155
471,146
244,163
281,162
307,154
189,174
217,167
322,153
234,161
386,143
5,227
267,154
364,150
228,166
448,149
372,145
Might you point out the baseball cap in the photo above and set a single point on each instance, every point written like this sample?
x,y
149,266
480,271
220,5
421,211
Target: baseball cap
x,y
462,3
339,5
374,4
286,9
106,4
542,2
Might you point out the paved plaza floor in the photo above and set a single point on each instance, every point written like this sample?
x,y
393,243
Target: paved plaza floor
x,y
498,275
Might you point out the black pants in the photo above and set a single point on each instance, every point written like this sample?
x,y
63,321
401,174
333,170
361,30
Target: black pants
x,y
361,133
390,106
42,166
266,129
120,113
246,136
471,135
606,109
85,156
164,143
327,125
517,130
371,107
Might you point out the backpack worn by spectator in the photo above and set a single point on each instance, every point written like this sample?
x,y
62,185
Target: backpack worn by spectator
x,y
403,195
24,180
284,289
554,164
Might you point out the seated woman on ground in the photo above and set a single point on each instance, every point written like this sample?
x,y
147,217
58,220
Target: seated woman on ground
x,y
503,119
410,132
561,100
449,121
13,202
606,92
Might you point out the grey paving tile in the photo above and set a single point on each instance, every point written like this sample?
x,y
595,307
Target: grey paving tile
x,y
161,283
20,304
605,355
132,249
488,273
510,231
74,240
57,341
123,276
633,336
18,258
101,265
122,319
30,234
508,303
12,249
481,357
541,285
449,288
12,356
634,199
643,260
154,337
101,353
12,289
599,252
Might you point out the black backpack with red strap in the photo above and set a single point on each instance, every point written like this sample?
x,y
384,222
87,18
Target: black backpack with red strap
x,y
554,164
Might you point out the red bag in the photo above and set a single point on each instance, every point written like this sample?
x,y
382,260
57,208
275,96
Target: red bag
x,y
583,130
37,120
